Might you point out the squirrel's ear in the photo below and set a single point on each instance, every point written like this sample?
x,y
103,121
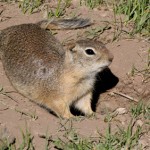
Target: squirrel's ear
x,y
70,52
70,46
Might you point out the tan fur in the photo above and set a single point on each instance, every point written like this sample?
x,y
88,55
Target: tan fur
x,y
40,69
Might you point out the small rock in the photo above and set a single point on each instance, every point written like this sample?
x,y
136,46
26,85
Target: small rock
x,y
139,122
121,111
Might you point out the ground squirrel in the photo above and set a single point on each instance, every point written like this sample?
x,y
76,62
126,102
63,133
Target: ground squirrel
x,y
40,68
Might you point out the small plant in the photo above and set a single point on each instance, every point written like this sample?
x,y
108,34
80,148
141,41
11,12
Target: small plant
x,y
27,140
141,109
96,32
7,143
123,138
67,3
9,1
31,115
148,58
128,138
57,12
91,3
29,5
5,93
138,12
145,72
137,110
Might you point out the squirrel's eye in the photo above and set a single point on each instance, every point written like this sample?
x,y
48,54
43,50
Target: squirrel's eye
x,y
90,52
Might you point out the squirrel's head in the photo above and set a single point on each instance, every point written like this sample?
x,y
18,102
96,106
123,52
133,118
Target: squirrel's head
x,y
89,55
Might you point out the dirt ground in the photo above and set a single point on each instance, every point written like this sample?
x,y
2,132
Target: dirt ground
x,y
127,53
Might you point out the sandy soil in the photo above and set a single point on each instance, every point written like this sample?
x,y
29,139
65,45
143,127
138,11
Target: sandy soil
x,y
127,53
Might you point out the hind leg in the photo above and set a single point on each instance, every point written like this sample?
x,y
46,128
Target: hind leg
x,y
60,107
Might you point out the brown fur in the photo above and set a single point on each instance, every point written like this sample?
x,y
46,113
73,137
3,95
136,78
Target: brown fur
x,y
40,69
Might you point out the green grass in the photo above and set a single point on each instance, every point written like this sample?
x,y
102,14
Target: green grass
x,y
137,11
125,137
94,33
144,72
8,1
57,12
29,5
141,110
91,3
5,93
26,142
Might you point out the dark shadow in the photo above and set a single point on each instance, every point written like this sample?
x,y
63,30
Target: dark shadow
x,y
75,111
105,80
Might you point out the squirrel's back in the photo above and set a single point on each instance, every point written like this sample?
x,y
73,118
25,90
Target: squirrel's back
x,y
31,54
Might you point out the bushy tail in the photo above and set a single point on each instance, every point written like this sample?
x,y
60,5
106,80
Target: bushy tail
x,y
73,23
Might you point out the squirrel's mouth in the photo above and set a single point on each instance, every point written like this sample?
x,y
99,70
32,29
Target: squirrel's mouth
x,y
105,65
102,68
